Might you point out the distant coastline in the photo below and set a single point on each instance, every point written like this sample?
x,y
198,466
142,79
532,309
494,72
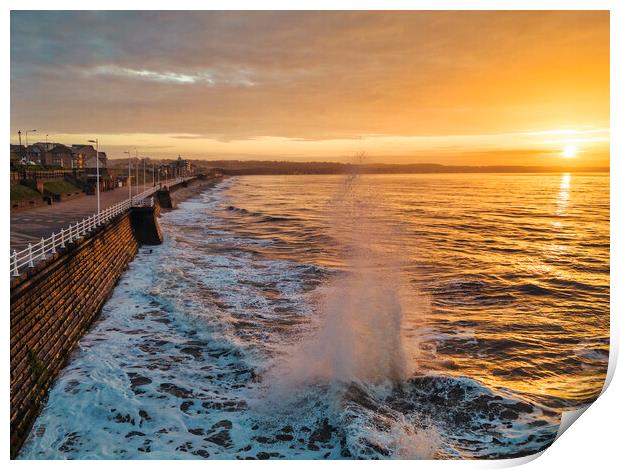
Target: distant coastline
x,y
256,167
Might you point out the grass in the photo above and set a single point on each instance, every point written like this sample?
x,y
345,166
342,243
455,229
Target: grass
x,y
23,193
60,187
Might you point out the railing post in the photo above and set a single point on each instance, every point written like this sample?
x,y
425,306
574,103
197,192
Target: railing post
x,y
42,248
53,243
14,271
30,263
62,238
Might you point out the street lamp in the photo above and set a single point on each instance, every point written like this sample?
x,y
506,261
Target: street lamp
x,y
129,175
137,170
96,142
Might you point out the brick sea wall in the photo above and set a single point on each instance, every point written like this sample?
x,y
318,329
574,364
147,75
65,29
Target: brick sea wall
x,y
54,304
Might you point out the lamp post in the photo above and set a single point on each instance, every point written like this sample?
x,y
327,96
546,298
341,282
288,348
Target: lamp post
x,y
96,142
137,170
129,174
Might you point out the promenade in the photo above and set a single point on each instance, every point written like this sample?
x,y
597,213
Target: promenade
x,y
30,225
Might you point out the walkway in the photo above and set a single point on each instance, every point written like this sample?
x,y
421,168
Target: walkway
x,y
30,225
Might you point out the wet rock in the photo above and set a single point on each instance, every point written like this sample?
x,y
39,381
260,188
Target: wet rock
x,y
137,380
226,424
323,433
146,447
175,390
221,439
193,351
287,429
304,429
202,453
228,405
508,415
185,447
262,456
134,433
186,405
345,453
196,431
284,437
119,418
245,449
144,415
255,427
71,442
313,447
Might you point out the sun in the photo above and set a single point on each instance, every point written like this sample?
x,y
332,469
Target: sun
x,y
570,151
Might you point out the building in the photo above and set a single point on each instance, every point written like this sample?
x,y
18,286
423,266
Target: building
x,y
17,152
182,167
82,154
60,155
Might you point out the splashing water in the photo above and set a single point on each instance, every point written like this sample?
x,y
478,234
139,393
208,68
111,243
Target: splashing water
x,y
356,347
358,335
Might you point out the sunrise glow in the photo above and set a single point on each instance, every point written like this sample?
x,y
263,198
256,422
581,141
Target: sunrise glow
x,y
570,151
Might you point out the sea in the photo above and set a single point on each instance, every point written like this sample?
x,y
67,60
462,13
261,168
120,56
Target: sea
x,y
425,316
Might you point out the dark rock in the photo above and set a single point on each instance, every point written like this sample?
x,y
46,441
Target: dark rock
x,y
202,453
322,434
134,433
226,424
193,351
262,456
185,447
284,437
221,439
186,405
119,418
175,390
197,431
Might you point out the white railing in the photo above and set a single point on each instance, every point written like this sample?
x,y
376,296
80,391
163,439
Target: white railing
x,y
48,246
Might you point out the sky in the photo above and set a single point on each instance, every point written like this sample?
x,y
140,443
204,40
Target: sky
x,y
474,88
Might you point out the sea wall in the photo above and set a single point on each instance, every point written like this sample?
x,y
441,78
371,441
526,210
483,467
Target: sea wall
x,y
54,304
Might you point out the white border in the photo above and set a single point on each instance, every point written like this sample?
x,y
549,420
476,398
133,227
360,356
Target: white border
x,y
591,443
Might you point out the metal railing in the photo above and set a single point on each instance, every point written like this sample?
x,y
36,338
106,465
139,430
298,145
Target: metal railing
x,y
37,252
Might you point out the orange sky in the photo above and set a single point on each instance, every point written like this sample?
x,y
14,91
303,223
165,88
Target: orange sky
x,y
481,88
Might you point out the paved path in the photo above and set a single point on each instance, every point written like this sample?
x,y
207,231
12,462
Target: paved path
x,y
30,225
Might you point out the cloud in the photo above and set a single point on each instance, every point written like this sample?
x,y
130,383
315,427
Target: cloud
x,y
205,77
309,76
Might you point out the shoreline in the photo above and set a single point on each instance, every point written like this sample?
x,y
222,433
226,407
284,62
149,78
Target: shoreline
x,y
194,188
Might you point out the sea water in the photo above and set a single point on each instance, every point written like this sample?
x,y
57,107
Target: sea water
x,y
383,316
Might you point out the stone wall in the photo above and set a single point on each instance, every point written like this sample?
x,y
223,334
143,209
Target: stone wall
x,y
54,304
